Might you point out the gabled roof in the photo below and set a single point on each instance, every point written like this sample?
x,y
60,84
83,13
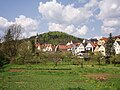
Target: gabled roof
x,y
118,42
94,44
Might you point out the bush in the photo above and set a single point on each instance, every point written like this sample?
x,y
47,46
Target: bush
x,y
3,59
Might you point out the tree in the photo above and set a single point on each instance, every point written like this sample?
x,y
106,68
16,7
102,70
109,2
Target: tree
x,y
109,48
33,46
11,43
98,57
3,59
24,52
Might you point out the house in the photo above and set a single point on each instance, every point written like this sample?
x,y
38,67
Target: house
x,y
102,41
63,48
96,49
117,47
73,48
118,39
47,47
38,46
80,49
90,46
102,50
69,43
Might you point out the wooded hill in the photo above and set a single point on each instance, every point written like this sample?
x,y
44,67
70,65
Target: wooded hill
x,y
56,38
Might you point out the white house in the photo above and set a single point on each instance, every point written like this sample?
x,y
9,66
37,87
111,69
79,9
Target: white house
x,y
69,43
48,47
118,39
117,47
73,49
80,48
90,46
96,49
102,50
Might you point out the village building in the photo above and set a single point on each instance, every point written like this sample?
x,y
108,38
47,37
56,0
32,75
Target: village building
x,y
80,49
96,49
102,41
117,47
102,50
90,46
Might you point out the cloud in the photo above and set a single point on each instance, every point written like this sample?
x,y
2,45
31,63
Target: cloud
x,y
66,18
58,13
26,22
110,16
107,30
83,30
29,25
92,4
111,22
109,9
4,22
70,29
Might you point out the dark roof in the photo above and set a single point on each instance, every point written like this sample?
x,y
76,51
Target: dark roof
x,y
118,42
84,44
93,40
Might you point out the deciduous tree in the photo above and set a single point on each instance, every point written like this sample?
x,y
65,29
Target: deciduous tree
x,y
11,43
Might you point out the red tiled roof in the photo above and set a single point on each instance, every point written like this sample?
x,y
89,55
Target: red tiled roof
x,y
64,47
104,38
93,44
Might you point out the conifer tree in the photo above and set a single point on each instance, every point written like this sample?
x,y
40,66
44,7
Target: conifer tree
x,y
109,48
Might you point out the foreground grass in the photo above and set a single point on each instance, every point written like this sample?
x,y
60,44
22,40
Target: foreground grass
x,y
62,77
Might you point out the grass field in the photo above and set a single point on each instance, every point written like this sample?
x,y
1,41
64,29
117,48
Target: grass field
x,y
62,77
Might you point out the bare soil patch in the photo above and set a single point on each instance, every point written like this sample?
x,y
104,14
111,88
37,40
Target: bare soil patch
x,y
101,76
15,70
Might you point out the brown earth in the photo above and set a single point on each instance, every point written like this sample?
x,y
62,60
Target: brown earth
x,y
15,70
101,76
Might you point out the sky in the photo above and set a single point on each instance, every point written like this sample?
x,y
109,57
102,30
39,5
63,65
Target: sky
x,y
80,18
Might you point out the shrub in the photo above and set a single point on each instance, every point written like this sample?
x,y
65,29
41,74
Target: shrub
x,y
3,59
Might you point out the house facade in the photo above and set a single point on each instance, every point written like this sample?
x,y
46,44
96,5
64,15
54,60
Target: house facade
x,y
102,50
96,49
117,47
90,46
48,47
102,41
80,49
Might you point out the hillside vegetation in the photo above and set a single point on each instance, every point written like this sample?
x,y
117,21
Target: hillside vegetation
x,y
56,38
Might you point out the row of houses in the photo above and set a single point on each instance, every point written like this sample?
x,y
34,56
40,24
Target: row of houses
x,y
92,45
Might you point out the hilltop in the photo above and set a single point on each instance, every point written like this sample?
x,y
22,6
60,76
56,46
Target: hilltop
x,y
56,38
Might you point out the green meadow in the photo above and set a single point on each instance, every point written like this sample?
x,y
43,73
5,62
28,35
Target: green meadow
x,y
61,77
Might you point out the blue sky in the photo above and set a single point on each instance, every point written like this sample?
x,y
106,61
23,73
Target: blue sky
x,y
81,18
